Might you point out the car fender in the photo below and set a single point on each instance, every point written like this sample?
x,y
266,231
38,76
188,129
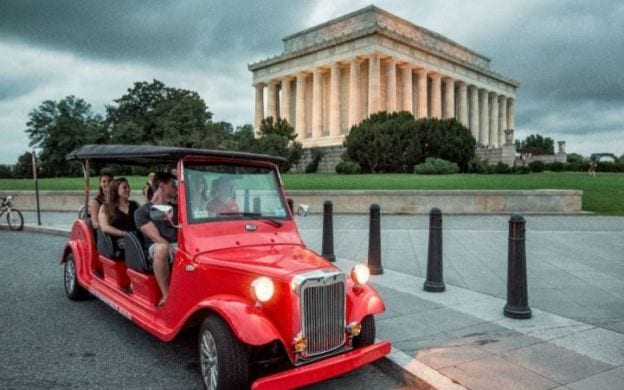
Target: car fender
x,y
248,322
364,300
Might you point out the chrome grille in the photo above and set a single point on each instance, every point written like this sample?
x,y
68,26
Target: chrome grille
x,y
323,310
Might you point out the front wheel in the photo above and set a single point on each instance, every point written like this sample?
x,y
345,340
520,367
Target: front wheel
x,y
367,333
222,358
73,289
15,219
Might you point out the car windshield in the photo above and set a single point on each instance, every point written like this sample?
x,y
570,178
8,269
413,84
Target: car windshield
x,y
225,192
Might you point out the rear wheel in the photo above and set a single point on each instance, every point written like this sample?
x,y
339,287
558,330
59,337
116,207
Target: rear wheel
x,y
222,358
73,289
15,219
367,333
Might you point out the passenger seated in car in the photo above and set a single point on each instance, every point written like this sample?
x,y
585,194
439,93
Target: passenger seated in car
x,y
160,236
98,201
222,193
198,190
117,214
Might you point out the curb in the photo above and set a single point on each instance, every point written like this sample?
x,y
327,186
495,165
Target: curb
x,y
40,229
415,373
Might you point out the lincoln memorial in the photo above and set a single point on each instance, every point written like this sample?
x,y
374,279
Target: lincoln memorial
x,y
331,76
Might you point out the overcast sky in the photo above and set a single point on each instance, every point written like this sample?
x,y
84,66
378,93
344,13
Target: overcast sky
x,y
567,55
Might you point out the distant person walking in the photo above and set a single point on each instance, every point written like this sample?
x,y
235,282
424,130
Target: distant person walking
x,y
593,164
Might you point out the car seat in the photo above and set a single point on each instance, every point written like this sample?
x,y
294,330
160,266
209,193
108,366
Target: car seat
x,y
136,256
105,246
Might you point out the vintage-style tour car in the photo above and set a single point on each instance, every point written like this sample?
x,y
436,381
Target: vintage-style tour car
x,y
271,313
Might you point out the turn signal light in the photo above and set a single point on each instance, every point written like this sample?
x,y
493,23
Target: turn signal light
x,y
354,328
299,344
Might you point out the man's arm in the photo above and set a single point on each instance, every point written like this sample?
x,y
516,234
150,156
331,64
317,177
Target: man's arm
x,y
149,229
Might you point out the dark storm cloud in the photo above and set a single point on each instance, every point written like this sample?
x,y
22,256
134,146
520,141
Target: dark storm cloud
x,y
151,31
564,51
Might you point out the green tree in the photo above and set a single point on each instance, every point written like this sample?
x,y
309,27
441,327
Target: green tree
x,y
447,139
59,127
278,138
384,143
152,113
6,171
536,145
23,167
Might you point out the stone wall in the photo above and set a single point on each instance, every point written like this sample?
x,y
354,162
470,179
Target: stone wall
x,y
328,162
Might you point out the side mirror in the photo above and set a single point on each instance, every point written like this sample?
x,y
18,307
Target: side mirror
x,y
161,212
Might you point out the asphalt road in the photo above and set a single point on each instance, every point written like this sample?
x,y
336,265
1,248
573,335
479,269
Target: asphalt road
x,y
47,341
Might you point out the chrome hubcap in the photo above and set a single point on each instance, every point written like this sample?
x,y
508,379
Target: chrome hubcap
x,y
70,275
208,360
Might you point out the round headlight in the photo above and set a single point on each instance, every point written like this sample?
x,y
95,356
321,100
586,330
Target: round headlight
x,y
360,274
262,288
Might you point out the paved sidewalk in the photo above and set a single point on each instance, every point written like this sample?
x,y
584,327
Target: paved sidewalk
x,y
459,338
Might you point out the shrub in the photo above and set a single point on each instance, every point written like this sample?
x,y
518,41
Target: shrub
x,y
501,167
575,158
578,166
348,167
521,170
447,139
537,166
316,155
384,142
436,166
557,166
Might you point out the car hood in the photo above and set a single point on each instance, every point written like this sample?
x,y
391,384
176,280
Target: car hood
x,y
271,260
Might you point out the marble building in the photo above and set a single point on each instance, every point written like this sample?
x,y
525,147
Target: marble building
x,y
331,76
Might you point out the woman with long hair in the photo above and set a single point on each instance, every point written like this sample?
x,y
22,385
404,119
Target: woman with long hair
x,y
117,213
100,199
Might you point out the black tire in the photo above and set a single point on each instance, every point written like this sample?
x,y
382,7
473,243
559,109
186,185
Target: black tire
x,y
73,289
367,333
15,219
222,358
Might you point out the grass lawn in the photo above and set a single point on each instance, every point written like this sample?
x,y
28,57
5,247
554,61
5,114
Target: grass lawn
x,y
603,194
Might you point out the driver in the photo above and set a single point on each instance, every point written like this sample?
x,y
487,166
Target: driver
x,y
222,193
160,236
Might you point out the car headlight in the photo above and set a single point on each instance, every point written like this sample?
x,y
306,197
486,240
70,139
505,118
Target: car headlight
x,y
262,289
360,274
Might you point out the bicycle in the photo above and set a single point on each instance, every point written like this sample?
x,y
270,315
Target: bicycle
x,y
14,216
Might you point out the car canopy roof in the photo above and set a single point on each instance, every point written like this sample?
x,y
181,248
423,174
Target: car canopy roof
x,y
152,155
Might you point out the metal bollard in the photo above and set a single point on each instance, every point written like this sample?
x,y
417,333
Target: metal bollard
x,y
374,242
435,280
328,231
517,298
291,205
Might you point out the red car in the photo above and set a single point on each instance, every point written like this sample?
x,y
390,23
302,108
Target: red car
x,y
269,310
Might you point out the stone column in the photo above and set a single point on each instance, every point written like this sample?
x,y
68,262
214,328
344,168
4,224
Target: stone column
x,y
502,119
391,82
300,119
436,96
354,92
421,85
494,120
408,101
374,84
511,113
272,100
463,103
449,98
259,113
484,119
285,103
317,104
474,111
334,100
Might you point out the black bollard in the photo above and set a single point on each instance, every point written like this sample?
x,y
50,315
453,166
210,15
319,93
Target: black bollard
x,y
374,242
291,205
435,280
328,231
517,298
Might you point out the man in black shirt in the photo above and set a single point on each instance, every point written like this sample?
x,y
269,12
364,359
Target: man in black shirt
x,y
160,236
